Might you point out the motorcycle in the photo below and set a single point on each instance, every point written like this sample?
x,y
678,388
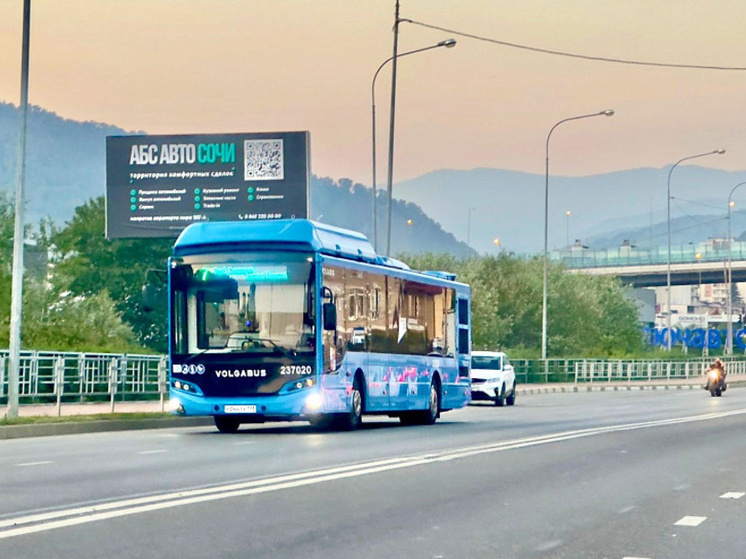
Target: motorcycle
x,y
716,382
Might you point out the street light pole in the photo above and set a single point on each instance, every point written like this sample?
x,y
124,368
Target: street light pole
x,y
392,113
568,213
448,43
729,340
608,112
16,303
668,222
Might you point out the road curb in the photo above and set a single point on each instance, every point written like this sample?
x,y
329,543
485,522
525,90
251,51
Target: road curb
x,y
77,428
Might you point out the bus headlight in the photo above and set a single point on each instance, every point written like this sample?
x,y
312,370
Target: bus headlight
x,y
314,402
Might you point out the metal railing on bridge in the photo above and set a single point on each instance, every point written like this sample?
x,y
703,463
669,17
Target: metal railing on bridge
x,y
712,251
47,377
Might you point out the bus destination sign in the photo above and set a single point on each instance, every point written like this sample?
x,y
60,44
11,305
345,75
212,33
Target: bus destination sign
x,y
157,185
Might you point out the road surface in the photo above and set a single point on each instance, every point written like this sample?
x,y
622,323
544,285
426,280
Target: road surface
x,y
642,474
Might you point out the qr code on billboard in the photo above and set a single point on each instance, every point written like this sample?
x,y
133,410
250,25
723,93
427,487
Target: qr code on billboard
x,y
263,160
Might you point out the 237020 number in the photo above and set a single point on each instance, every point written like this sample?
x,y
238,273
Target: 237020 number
x,y
296,370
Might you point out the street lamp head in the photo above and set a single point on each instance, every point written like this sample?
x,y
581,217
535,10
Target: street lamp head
x,y
720,151
608,112
732,204
448,43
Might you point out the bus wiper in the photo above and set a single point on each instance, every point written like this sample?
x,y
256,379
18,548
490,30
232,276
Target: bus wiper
x,y
261,343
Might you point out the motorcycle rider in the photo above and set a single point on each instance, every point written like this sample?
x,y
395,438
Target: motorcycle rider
x,y
716,365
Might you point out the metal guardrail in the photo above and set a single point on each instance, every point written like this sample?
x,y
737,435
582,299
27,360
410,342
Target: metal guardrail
x,y
47,377
612,371
529,371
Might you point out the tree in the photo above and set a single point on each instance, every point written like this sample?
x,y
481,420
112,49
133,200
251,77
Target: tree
x,y
88,264
74,323
51,320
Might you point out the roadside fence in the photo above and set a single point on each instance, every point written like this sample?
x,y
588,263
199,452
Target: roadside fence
x,y
617,370
47,377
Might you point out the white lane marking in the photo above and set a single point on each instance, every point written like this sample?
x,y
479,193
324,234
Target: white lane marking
x,y
35,463
732,495
547,546
691,521
637,558
244,443
158,451
82,515
625,510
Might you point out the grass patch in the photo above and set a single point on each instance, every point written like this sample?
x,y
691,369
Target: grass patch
x,y
39,419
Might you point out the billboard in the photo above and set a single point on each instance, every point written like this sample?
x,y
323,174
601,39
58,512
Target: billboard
x,y
157,185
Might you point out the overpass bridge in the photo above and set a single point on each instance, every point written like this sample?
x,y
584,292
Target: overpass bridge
x,y
690,265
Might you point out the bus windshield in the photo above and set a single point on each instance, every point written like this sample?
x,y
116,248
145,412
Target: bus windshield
x,y
255,304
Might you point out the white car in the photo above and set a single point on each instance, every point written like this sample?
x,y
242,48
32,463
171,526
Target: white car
x,y
492,377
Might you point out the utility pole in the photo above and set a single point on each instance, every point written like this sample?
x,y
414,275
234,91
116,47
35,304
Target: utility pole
x,y
16,303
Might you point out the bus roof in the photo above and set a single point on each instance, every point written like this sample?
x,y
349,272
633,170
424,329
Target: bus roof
x,y
302,234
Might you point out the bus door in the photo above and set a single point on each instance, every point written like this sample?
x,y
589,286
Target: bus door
x,y
397,383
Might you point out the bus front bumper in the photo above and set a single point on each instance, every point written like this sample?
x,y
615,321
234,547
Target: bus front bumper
x,y
296,405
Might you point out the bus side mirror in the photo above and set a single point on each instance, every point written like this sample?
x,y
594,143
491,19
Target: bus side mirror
x,y
329,315
150,297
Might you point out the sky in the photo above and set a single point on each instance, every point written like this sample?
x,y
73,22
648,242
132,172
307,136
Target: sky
x,y
223,66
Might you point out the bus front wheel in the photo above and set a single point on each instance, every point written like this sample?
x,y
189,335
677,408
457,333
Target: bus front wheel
x,y
227,424
352,419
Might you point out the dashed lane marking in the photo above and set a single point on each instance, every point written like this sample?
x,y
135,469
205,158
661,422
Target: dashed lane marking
x,y
159,451
35,463
732,495
691,521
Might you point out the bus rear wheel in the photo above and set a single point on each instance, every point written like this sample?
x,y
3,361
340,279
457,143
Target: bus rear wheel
x,y
227,424
428,416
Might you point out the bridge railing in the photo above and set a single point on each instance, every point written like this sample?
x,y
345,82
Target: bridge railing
x,y
632,256
47,377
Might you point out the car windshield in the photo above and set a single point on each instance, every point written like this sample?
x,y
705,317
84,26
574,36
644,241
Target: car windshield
x,y
483,362
260,305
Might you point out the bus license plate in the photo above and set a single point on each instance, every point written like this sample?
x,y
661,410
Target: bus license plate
x,y
240,409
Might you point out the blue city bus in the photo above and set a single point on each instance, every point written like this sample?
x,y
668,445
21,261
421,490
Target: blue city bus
x,y
297,320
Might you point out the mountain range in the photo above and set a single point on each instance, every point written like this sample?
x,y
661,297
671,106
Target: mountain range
x,y
462,212
606,209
